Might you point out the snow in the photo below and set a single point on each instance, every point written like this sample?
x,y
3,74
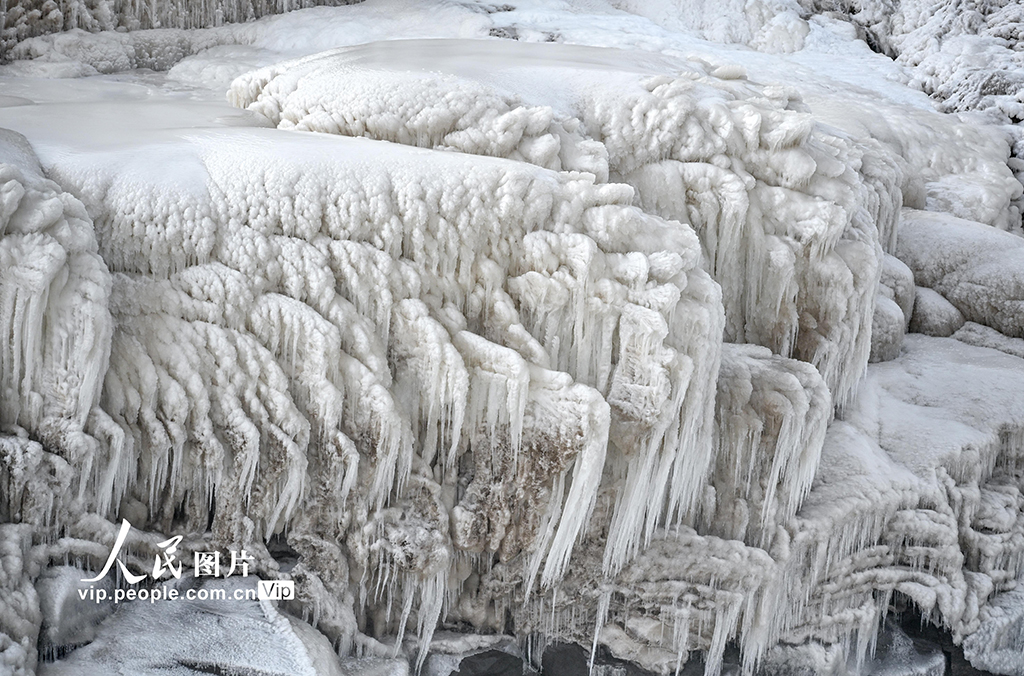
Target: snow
x,y
610,332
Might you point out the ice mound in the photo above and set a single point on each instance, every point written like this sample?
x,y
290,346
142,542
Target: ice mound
x,y
979,269
785,216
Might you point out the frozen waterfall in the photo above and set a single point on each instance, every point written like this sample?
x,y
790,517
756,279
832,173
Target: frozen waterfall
x,y
683,333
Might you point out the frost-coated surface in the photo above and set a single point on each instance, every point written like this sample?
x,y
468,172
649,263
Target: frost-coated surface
x,y
591,321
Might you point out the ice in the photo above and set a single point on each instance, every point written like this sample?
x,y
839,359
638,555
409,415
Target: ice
x,y
997,645
591,321
20,616
276,381
977,268
777,217
24,20
68,621
190,637
771,416
896,654
983,336
934,315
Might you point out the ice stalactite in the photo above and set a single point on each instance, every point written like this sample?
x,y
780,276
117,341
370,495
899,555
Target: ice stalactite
x,y
934,527
788,213
54,291
771,417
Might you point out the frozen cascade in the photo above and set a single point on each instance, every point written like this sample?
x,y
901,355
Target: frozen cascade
x,y
245,394
783,217
54,291
560,337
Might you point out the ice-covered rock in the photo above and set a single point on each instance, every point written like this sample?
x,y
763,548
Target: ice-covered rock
x,y
771,418
887,328
54,290
777,201
352,365
984,336
68,620
897,284
934,315
977,268
998,644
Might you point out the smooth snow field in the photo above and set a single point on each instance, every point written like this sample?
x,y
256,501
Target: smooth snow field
x,y
687,334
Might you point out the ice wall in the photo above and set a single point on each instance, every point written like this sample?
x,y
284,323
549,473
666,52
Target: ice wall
x,y
54,296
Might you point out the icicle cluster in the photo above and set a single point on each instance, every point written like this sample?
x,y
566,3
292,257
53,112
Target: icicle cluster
x,y
786,222
392,359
